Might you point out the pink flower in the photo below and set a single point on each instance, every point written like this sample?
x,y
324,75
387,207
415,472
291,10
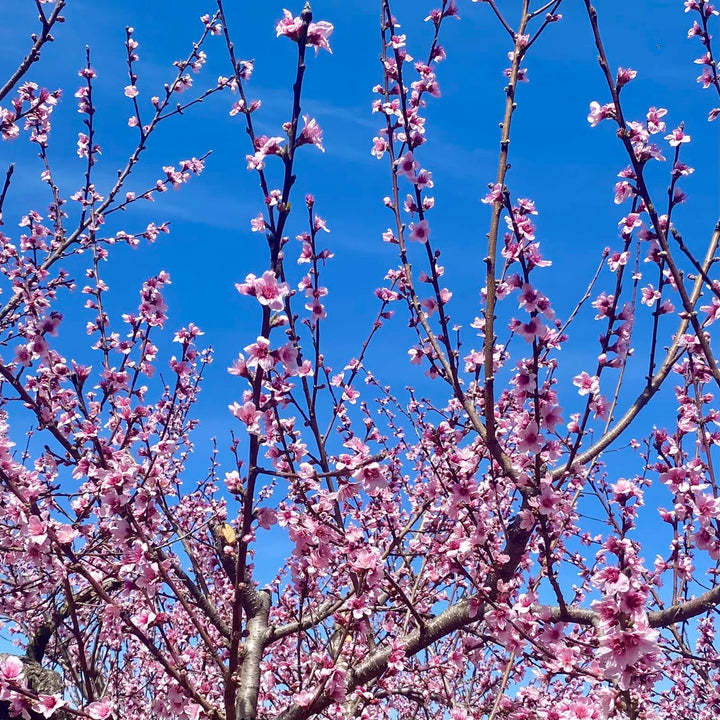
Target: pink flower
x,y
623,191
131,91
47,705
372,478
266,517
350,394
529,438
495,194
380,147
11,668
654,122
318,34
530,330
288,355
311,134
269,292
617,260
238,367
257,224
233,482
407,165
101,710
625,75
248,414
420,232
259,354
629,223
620,650
551,416
423,180
547,499
587,383
677,137
650,295
600,112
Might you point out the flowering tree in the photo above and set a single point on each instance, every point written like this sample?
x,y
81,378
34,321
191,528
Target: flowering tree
x,y
462,551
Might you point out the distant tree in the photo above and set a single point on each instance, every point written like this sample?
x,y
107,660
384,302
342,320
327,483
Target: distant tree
x,y
460,550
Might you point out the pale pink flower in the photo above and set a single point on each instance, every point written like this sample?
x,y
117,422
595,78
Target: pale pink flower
x,y
318,34
407,165
248,414
587,383
47,705
257,224
677,137
100,710
420,231
270,292
372,478
311,134
11,668
655,124
259,354
530,439
599,112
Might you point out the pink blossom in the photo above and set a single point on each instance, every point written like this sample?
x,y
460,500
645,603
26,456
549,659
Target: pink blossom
x,y
372,478
248,414
620,650
531,330
677,137
318,34
311,134
587,384
380,147
47,705
259,354
233,482
420,231
258,224
269,292
625,75
101,710
529,438
11,668
288,355
600,112
495,194
407,165
655,124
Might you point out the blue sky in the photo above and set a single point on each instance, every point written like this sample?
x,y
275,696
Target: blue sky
x,y
567,167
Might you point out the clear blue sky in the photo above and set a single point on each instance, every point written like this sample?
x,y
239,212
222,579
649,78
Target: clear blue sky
x,y
557,159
